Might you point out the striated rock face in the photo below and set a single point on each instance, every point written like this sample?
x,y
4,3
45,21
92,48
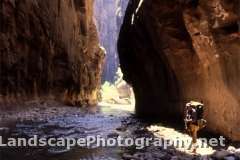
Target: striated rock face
x,y
180,50
49,48
109,15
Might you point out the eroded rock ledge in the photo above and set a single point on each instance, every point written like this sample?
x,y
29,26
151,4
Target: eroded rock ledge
x,y
175,51
49,47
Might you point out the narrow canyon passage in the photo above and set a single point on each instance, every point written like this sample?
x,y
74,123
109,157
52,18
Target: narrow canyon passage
x,y
108,16
88,69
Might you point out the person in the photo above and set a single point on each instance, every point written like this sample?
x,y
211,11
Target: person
x,y
194,121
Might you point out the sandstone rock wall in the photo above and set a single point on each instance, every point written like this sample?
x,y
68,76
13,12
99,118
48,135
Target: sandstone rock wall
x,y
49,47
109,15
180,50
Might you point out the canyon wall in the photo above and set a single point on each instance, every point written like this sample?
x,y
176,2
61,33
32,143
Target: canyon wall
x,y
175,51
49,48
109,15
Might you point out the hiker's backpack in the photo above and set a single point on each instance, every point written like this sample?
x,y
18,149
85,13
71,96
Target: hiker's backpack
x,y
194,111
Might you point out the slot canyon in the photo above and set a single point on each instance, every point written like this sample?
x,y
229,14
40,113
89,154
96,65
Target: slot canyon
x,y
72,69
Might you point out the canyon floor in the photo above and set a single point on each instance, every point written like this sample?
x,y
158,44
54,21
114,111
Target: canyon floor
x,y
51,119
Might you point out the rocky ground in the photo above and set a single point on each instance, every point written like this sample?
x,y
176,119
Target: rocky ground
x,y
50,119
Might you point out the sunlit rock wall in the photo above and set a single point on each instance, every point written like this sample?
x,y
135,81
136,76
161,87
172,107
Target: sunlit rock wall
x,y
49,48
109,15
181,50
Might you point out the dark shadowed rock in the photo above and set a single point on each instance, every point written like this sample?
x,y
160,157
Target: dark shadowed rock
x,y
49,48
175,51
